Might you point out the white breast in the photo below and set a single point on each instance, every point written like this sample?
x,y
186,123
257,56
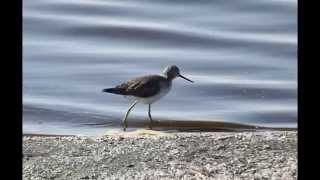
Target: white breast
x,y
149,100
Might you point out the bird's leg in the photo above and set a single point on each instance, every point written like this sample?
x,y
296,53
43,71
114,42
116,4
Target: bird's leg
x,y
149,114
125,124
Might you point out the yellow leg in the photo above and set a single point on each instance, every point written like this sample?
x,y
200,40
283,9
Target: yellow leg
x,y
125,124
149,114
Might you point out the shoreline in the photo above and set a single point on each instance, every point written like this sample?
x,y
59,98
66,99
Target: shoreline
x,y
147,154
178,126
172,132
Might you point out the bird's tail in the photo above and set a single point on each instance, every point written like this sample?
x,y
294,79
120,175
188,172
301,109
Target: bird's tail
x,y
114,91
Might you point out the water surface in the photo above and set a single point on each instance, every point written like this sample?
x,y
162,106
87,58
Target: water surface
x,y
242,56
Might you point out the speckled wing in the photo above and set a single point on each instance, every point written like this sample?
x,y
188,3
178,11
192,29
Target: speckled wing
x,y
145,86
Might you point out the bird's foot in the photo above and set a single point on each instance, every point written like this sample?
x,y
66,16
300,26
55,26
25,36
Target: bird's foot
x,y
125,127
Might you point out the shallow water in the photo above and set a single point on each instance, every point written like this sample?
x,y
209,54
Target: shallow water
x,y
242,56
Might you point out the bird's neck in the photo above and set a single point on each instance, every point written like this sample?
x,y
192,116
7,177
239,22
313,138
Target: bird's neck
x,y
168,77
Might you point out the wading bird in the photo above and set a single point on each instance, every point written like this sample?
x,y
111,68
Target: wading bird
x,y
147,89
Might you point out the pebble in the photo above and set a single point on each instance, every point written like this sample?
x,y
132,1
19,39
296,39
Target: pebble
x,y
206,155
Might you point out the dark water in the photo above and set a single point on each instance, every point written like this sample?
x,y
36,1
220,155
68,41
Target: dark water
x,y
242,56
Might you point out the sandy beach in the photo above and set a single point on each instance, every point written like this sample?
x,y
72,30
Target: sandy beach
x,y
146,154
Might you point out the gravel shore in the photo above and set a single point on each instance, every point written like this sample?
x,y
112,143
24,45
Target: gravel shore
x,y
155,155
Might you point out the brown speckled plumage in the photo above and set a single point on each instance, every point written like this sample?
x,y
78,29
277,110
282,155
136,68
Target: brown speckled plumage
x,y
144,86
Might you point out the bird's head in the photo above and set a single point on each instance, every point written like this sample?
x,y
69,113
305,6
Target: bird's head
x,y
171,72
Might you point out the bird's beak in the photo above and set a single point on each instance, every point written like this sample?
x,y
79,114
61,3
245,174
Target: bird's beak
x,y
185,78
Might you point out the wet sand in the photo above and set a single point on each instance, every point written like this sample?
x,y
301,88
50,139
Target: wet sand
x,y
197,125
